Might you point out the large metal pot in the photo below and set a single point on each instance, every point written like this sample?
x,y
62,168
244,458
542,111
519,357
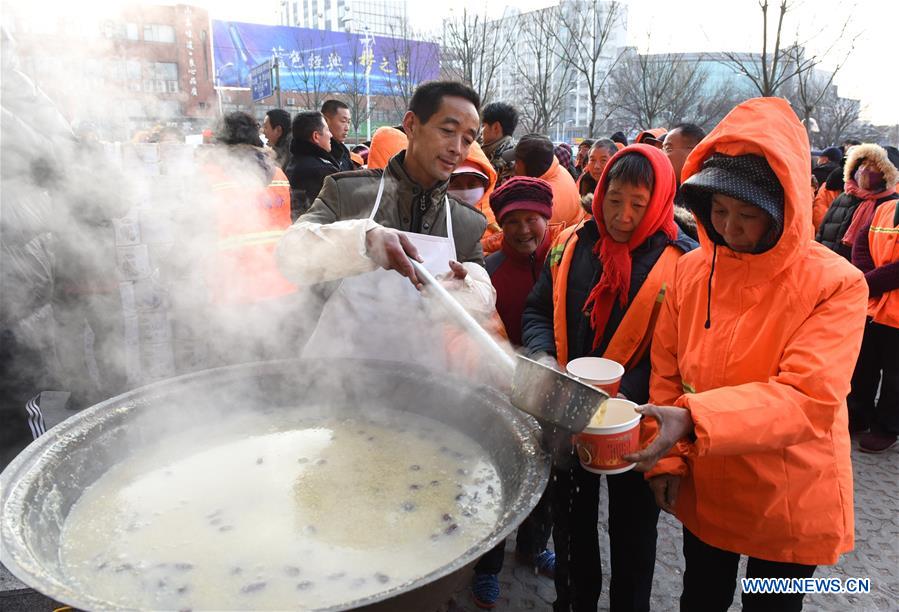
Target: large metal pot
x,y
40,486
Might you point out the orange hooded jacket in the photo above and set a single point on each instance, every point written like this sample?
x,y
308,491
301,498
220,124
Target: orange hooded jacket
x,y
883,239
769,474
477,158
385,143
567,209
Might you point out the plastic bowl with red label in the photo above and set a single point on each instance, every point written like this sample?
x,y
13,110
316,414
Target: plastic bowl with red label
x,y
608,437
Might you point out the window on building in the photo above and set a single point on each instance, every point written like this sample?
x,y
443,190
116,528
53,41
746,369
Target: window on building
x,y
131,31
159,33
132,70
165,70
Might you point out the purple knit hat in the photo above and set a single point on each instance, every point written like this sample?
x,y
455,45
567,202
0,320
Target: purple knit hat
x,y
563,154
522,193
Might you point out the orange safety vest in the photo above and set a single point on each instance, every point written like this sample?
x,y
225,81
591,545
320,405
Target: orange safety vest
x,y
631,340
250,222
883,240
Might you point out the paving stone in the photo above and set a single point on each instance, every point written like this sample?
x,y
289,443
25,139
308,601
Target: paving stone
x,y
876,554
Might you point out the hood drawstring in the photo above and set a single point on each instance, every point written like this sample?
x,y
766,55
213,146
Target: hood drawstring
x,y
708,308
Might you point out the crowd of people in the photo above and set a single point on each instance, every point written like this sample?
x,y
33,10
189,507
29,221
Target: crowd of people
x,y
749,286
743,371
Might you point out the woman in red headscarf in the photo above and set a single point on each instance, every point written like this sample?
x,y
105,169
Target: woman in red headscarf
x,y
598,295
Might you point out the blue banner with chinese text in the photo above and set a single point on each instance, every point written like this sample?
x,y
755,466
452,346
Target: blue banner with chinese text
x,y
319,60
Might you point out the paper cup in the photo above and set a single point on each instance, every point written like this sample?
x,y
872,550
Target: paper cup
x,y
601,446
598,372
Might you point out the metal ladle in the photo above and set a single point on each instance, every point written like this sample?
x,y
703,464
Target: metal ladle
x,y
547,394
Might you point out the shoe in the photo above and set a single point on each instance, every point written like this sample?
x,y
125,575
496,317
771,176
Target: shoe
x,y
485,590
857,426
545,563
876,442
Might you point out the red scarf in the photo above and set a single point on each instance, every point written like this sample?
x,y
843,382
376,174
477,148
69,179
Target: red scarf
x,y
615,256
864,213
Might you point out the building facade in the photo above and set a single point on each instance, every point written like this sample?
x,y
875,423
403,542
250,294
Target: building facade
x,y
380,17
141,67
571,118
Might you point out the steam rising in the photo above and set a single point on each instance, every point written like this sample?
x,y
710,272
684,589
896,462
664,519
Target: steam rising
x,y
106,253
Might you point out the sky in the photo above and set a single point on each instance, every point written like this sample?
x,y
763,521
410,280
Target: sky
x,y
663,26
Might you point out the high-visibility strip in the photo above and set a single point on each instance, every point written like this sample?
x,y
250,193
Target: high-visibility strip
x,y
255,238
279,184
884,230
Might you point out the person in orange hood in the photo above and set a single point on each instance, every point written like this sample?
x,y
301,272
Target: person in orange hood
x,y
598,295
751,362
533,156
473,182
653,136
385,143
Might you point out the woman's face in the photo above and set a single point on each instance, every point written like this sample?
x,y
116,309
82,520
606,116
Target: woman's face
x,y
742,225
623,207
523,230
599,157
868,176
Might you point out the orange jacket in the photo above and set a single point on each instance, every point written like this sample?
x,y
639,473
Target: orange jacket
x,y
883,239
385,143
823,199
769,474
630,341
477,158
249,222
567,208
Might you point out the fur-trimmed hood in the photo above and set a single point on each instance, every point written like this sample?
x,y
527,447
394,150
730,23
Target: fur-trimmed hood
x,y
876,154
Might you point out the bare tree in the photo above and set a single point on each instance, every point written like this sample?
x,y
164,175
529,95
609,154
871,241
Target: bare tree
x,y
474,49
838,119
311,72
780,61
709,107
812,87
655,89
351,83
582,39
545,81
407,59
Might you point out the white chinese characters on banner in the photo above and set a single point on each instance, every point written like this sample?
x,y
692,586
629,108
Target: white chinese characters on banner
x,y
189,45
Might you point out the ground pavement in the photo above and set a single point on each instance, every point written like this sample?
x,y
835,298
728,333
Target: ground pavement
x,y
876,554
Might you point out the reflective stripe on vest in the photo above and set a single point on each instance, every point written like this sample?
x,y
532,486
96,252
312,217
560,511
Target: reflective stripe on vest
x,y
253,238
883,240
631,340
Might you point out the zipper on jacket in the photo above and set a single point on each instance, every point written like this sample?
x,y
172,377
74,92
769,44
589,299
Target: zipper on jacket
x,y
708,306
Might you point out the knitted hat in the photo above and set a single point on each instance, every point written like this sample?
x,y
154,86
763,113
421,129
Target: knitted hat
x,y
522,193
563,154
745,177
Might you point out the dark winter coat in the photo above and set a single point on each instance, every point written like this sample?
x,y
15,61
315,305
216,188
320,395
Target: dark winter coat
x,y
837,220
341,154
537,321
306,173
823,171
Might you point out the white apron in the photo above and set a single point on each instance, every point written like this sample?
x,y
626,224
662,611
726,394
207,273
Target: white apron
x,y
380,315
